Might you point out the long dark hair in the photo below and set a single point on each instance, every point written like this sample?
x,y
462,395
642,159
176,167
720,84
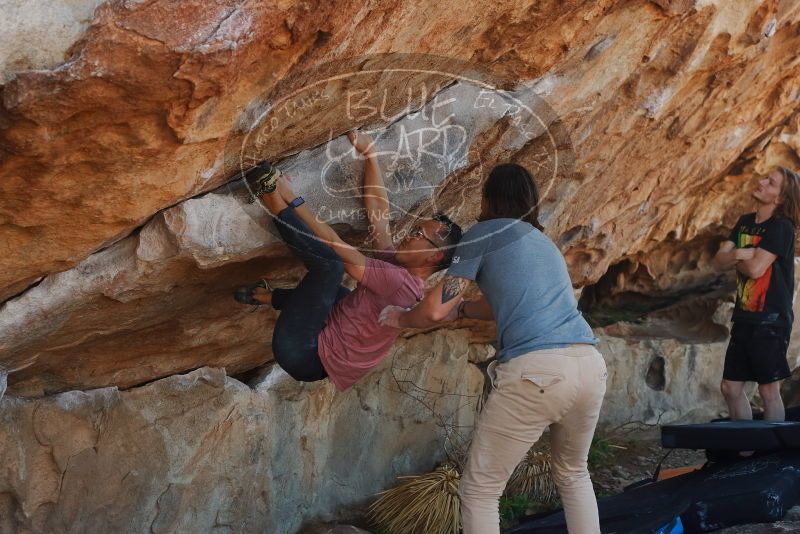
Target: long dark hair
x,y
510,192
790,196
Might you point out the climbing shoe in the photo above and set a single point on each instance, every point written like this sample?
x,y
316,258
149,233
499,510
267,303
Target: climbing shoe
x,y
244,294
262,179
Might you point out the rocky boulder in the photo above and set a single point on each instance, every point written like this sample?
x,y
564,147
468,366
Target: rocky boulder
x,y
204,451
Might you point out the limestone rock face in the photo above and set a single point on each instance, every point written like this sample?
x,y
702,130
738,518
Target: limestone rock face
x,y
153,291
54,25
666,367
203,451
658,381
124,227
645,123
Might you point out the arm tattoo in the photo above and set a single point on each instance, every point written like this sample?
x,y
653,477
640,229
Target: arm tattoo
x,y
453,287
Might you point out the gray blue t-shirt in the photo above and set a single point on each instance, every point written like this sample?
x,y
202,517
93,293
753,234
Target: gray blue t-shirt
x,y
524,277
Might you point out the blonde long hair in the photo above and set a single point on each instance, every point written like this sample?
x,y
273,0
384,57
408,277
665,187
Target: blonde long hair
x,y
790,197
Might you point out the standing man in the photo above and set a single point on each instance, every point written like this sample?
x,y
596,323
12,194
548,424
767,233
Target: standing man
x,y
548,372
761,249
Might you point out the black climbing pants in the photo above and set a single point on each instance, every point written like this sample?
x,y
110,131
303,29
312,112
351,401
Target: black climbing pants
x,y
304,309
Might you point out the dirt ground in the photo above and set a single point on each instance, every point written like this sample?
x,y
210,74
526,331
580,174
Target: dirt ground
x,y
632,459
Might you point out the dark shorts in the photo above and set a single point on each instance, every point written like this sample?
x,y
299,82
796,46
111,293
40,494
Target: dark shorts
x,y
757,353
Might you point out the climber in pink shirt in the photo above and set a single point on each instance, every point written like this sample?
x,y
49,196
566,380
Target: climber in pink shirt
x,y
324,329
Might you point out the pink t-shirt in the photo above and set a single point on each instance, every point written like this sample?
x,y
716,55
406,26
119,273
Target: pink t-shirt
x,y
353,342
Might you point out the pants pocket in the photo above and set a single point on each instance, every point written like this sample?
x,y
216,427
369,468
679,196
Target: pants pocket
x,y
542,380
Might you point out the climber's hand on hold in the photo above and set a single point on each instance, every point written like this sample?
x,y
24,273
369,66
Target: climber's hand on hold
x,y
390,316
361,142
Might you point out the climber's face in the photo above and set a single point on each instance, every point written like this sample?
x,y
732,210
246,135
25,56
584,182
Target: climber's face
x,y
769,188
422,246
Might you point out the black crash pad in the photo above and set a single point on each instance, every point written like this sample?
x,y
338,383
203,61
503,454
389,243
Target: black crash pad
x,y
759,489
733,436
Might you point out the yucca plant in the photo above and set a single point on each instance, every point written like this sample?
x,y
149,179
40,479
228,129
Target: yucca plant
x,y
532,478
426,503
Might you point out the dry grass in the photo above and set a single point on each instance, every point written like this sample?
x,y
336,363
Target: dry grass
x,y
430,503
425,503
532,478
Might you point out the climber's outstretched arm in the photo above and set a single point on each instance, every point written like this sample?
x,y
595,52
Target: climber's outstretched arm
x,y
354,261
376,200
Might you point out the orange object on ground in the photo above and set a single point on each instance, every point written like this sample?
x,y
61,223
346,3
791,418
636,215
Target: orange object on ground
x,y
675,471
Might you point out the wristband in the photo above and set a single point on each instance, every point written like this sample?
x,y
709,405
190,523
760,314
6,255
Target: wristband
x,y
296,202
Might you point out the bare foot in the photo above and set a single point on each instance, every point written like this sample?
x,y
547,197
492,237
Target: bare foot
x,y
262,295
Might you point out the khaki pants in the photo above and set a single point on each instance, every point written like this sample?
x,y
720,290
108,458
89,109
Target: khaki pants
x,y
559,388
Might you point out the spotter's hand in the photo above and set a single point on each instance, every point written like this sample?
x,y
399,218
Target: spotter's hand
x,y
452,315
390,316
